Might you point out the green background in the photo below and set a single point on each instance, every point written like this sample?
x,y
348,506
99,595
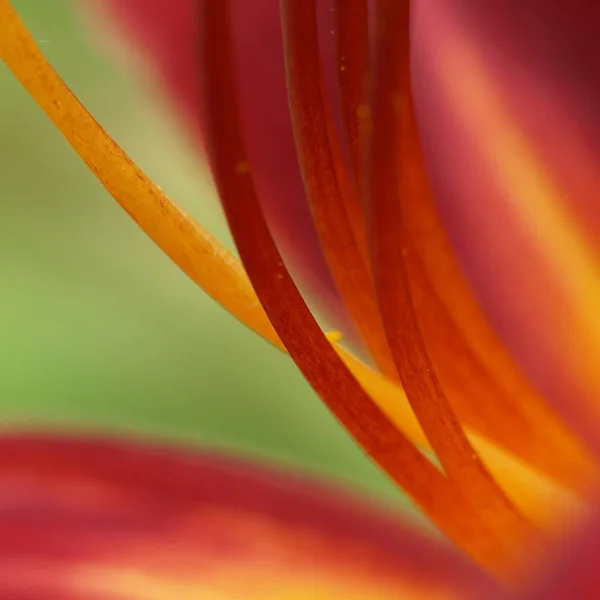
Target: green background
x,y
99,330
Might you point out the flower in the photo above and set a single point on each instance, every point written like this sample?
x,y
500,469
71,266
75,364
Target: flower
x,y
515,464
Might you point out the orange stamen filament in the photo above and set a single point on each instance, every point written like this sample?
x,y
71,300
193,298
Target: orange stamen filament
x,y
332,199
394,143
352,55
184,241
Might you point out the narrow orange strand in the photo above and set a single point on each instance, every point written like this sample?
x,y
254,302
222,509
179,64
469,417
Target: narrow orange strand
x,y
478,398
352,56
326,180
482,383
394,142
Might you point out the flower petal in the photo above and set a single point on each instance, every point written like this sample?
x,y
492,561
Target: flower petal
x,y
573,572
514,172
83,518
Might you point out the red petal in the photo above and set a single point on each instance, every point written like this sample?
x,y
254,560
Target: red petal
x,y
574,571
544,60
514,163
81,517
570,571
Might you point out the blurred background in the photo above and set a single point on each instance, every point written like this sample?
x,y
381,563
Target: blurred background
x,y
101,332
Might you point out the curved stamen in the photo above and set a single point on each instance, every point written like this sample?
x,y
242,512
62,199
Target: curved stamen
x,y
394,153
464,379
482,383
536,202
352,55
468,380
302,336
183,240
326,180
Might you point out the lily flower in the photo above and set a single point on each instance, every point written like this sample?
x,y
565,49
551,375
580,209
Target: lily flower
x,y
401,175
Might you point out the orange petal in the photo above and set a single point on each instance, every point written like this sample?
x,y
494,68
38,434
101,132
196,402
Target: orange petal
x,y
483,384
109,520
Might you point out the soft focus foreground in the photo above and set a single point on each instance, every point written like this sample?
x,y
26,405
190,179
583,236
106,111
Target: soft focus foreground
x,y
113,521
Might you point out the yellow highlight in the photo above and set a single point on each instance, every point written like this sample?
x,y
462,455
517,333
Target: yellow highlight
x,y
335,337
219,273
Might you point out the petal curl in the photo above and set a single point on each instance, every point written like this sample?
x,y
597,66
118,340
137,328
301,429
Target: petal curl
x,y
108,519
